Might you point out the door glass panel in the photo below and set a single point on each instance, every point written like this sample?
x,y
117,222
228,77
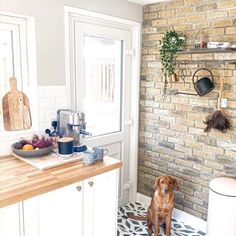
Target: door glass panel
x,y
103,78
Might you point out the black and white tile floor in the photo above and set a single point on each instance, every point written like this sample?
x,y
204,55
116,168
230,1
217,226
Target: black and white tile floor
x,y
128,227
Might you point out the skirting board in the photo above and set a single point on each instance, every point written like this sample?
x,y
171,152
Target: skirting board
x,y
178,214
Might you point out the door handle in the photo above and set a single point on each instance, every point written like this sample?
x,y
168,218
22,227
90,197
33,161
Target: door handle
x,y
129,122
90,183
78,188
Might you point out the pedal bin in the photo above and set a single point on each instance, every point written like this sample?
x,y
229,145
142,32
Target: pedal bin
x,y
222,207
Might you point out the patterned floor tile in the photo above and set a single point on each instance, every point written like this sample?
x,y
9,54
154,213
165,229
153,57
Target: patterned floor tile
x,y
128,227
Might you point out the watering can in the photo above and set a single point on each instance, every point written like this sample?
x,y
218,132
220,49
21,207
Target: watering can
x,y
203,85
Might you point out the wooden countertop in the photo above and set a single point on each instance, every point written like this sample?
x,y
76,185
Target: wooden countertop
x,y
20,181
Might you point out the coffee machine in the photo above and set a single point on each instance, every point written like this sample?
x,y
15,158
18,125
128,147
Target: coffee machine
x,y
72,123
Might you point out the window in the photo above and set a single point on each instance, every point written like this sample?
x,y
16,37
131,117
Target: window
x,y
17,60
103,74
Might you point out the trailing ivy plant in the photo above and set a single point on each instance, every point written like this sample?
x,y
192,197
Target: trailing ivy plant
x,y
170,44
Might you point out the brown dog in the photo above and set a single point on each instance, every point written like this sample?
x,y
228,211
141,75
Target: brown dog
x,y
162,205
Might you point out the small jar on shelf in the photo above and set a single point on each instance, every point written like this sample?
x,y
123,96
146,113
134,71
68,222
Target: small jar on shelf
x,y
203,40
200,41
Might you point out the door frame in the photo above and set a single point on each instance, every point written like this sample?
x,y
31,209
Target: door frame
x,y
135,29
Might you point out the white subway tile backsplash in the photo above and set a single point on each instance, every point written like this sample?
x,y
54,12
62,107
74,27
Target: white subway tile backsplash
x,y
51,98
50,114
52,91
47,104
43,127
42,117
61,91
61,102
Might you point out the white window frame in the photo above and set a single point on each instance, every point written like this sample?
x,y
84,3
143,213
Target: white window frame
x,y
135,28
27,72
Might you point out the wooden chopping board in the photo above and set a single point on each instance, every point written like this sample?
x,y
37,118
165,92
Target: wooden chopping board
x,y
16,109
50,160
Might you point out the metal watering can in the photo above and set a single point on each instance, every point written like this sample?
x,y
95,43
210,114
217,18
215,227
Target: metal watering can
x,y
203,85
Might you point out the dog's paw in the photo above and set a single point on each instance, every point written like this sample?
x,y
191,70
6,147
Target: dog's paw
x,y
149,231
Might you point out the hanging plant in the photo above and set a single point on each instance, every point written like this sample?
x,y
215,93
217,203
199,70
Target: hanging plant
x,y
170,44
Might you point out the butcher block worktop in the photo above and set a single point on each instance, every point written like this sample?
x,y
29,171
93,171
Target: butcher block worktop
x,y
20,181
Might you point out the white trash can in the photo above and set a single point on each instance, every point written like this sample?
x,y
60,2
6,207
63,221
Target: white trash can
x,y
221,220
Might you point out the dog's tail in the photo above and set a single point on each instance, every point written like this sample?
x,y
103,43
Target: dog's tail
x,y
134,217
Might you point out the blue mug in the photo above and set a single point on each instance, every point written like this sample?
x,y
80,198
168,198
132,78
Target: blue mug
x,y
101,152
65,146
90,157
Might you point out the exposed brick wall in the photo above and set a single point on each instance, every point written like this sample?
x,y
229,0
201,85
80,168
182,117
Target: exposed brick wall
x,y
171,139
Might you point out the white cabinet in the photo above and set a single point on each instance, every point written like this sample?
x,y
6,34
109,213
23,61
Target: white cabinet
x,y
31,227
100,198
20,219
60,211
10,220
87,208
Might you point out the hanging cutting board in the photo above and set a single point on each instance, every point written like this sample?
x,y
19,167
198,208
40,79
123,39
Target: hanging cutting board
x,y
16,109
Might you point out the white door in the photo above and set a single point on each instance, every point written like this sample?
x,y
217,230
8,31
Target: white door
x,y
30,209
101,88
100,205
60,211
11,220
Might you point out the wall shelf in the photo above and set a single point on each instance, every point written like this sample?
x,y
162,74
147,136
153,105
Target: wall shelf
x,y
206,50
218,56
216,61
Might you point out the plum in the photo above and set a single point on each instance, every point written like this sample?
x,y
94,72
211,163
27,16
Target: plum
x,y
18,146
23,142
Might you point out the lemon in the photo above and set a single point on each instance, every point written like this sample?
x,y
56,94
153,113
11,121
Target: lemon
x,y
28,147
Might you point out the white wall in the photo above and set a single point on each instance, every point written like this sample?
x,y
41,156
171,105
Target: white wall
x,y
49,18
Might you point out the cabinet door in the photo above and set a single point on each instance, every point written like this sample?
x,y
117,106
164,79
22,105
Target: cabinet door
x,y
10,220
31,227
88,206
60,213
100,205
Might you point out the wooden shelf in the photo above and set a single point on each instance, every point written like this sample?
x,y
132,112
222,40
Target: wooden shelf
x,y
216,61
206,50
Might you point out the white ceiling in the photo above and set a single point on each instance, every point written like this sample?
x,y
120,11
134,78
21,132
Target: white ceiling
x,y
144,2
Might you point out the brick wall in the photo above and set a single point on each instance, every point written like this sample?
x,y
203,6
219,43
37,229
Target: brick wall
x,y
171,139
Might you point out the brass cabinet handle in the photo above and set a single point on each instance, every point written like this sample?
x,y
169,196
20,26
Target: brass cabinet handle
x,y
78,188
90,183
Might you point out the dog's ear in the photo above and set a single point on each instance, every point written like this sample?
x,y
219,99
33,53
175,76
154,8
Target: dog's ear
x,y
156,183
176,186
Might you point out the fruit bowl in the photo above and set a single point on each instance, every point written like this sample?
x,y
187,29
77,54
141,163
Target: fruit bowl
x,y
30,153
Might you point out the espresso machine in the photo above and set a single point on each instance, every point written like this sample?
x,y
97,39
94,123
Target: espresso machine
x,y
71,123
